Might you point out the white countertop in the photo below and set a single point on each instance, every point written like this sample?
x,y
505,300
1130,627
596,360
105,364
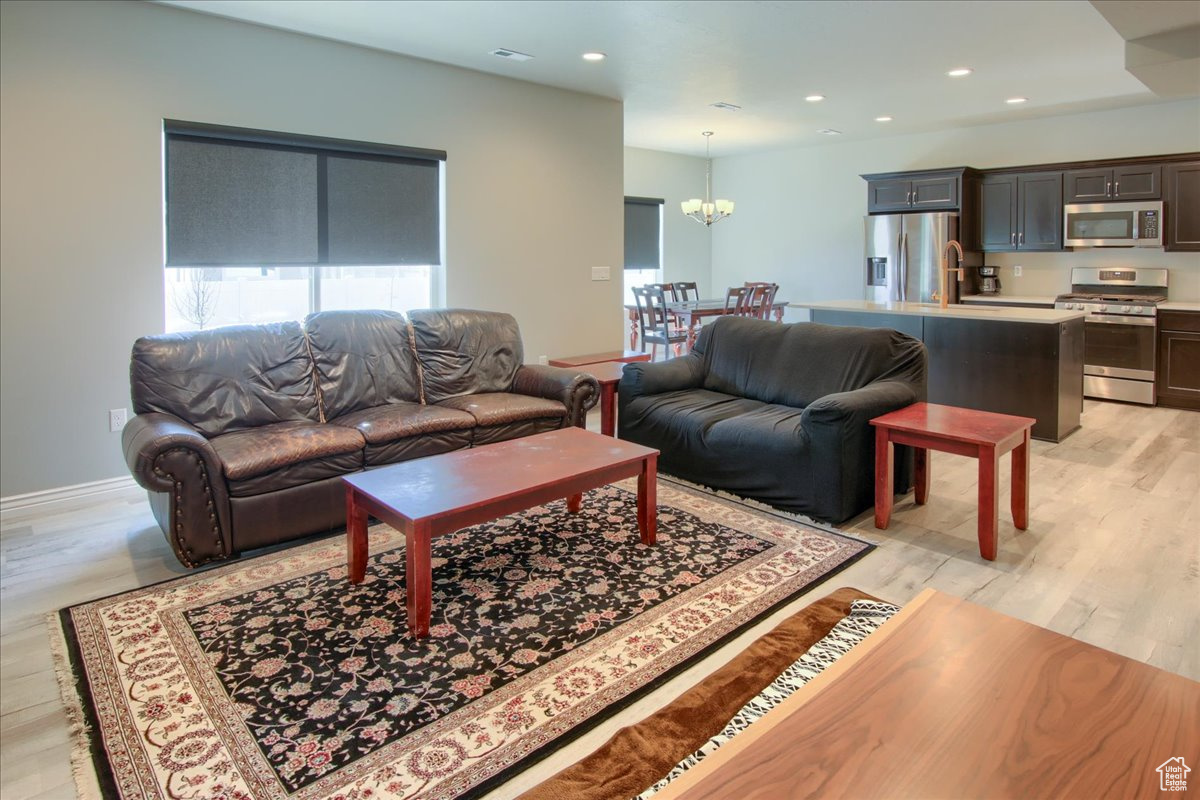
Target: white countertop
x,y
1047,316
1029,299
1175,305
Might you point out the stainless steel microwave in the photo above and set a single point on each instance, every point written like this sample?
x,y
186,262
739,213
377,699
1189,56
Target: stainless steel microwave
x,y
1134,224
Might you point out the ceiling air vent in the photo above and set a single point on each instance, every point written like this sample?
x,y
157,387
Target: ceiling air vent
x,y
725,106
511,55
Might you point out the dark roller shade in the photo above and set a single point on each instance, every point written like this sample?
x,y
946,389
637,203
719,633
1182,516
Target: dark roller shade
x,y
244,197
642,232
230,204
382,212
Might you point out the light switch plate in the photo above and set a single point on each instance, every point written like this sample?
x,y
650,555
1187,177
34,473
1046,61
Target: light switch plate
x,y
601,273
1017,271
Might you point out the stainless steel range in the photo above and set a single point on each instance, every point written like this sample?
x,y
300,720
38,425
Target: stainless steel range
x,y
1119,335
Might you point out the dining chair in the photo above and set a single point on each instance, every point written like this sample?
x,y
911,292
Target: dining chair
x,y
737,302
762,299
654,322
686,291
667,289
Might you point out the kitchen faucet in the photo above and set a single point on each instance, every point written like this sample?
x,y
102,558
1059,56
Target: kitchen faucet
x,y
944,273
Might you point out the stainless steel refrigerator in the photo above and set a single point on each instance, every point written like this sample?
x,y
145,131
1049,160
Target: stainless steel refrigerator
x,y
904,255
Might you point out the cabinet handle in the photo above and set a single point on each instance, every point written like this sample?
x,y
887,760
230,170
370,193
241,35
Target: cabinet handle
x,y
1108,188
1117,189
1021,237
908,198
1012,239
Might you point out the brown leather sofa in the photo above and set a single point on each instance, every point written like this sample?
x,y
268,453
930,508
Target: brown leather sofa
x,y
242,434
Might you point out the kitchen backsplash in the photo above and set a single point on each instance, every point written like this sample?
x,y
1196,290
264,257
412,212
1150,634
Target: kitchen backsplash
x,y
1049,274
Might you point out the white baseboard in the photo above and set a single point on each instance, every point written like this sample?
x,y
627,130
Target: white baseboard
x,y
20,502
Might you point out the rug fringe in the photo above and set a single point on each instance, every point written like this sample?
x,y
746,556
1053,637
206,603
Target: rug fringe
x,y
78,730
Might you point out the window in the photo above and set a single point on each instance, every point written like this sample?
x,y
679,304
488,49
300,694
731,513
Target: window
x,y
264,226
643,243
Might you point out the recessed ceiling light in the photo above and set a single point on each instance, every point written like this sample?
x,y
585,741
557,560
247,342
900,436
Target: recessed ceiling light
x,y
1012,101
960,72
511,55
815,98
594,56
830,132
884,118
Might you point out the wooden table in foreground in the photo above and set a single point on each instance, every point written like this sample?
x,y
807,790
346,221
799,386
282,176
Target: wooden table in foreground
x,y
952,700
982,435
436,495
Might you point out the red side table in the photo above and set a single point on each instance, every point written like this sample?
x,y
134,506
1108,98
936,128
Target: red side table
x,y
979,434
626,356
608,373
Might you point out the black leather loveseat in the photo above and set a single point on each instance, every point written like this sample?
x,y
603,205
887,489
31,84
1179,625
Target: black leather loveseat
x,y
242,433
777,413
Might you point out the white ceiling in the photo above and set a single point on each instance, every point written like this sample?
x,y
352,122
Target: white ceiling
x,y
668,60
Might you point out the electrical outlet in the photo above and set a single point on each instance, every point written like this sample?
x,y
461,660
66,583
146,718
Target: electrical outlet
x,y
1017,271
543,360
117,417
601,273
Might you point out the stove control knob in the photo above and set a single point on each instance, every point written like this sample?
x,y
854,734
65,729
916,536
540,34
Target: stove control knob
x,y
1127,309
1103,307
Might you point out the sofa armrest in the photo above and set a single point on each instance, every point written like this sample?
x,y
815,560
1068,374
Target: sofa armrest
x,y
172,459
646,377
859,406
576,390
839,429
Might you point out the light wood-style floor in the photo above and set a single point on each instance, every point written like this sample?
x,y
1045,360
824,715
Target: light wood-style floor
x,y
1112,557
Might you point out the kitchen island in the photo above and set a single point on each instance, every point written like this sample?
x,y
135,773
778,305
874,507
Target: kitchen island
x,y
1023,361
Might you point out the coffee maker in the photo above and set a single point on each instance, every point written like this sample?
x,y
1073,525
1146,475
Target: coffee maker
x,y
989,280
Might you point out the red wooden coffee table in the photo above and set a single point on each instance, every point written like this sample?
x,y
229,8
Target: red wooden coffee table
x,y
979,434
433,496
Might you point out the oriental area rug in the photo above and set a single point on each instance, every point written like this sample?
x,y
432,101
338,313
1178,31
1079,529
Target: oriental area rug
x,y
274,677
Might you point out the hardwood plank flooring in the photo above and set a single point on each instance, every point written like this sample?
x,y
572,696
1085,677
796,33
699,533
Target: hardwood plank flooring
x,y
1111,557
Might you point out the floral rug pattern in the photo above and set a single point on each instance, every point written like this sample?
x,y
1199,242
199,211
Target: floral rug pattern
x,y
276,678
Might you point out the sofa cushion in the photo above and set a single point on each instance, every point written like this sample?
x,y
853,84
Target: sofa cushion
x,y
796,364
287,454
501,408
465,352
487,434
679,420
363,359
226,379
400,420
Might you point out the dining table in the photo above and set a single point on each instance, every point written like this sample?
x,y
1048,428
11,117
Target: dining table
x,y
691,313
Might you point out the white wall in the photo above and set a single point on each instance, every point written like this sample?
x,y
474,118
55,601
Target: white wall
x,y
533,195
687,245
799,211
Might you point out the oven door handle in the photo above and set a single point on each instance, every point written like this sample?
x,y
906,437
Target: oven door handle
x,y
1116,319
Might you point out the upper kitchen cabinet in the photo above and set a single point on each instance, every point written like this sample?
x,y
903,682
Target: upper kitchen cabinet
x,y
1181,206
1020,211
943,190
1125,182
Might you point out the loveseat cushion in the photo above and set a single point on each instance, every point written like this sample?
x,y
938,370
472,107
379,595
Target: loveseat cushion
x,y
287,454
465,352
400,431
796,364
226,379
500,408
363,359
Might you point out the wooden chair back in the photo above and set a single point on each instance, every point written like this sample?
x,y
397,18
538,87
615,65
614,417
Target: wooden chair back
x,y
668,290
653,322
685,291
762,298
737,301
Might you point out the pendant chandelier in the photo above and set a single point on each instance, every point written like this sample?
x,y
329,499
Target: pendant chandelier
x,y
707,211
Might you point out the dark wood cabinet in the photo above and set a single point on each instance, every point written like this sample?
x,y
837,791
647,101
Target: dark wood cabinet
x,y
1126,182
915,191
1177,380
1182,206
1020,211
